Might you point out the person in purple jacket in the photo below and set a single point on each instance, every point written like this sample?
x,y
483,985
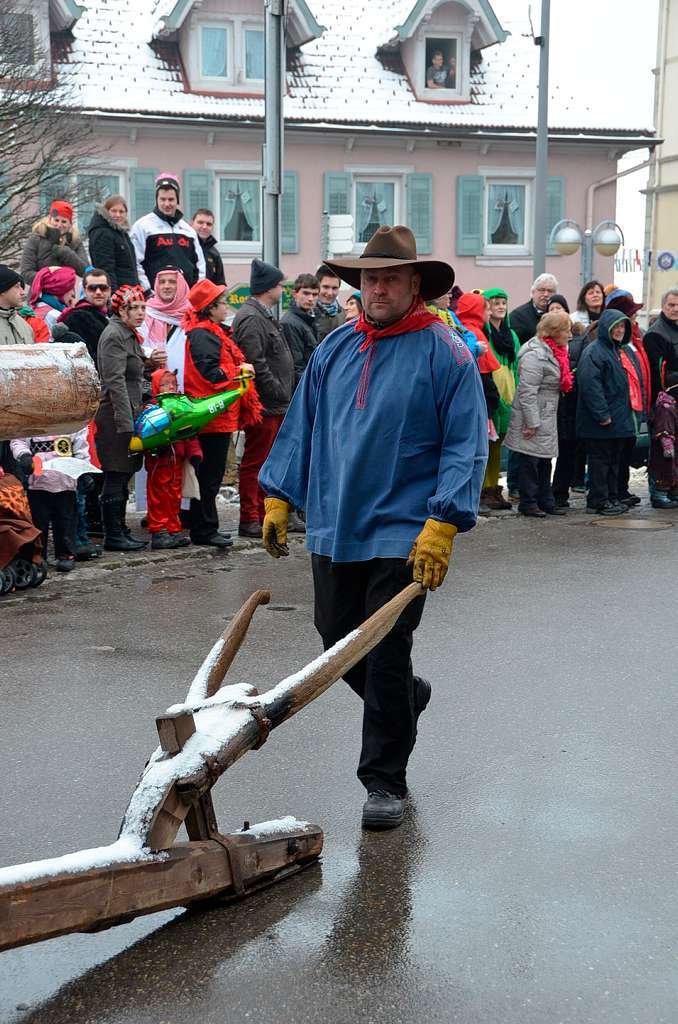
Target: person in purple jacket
x,y
384,446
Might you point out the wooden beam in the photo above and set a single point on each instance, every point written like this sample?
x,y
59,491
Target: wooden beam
x,y
46,389
174,729
102,897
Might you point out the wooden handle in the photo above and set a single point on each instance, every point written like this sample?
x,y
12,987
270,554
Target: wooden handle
x,y
233,638
288,697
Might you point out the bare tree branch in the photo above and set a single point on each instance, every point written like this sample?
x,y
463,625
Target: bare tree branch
x,y
45,139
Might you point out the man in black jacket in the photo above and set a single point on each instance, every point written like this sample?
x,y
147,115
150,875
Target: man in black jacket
x,y
661,345
524,319
203,222
89,316
259,336
299,322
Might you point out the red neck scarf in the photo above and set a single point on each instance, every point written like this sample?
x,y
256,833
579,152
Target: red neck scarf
x,y
416,319
560,352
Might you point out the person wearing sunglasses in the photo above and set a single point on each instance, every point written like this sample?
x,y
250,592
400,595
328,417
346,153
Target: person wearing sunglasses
x,y
89,316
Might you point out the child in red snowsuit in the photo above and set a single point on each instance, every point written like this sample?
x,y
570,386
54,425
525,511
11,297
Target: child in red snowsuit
x,y
165,468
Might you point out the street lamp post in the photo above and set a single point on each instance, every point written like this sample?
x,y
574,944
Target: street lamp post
x,y
567,237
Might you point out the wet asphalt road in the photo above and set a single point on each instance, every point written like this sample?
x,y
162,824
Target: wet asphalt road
x,y
534,881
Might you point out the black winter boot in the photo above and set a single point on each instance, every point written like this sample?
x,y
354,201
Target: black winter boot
x,y
115,539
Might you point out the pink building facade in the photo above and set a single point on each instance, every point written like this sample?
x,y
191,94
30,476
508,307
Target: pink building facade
x,y
418,112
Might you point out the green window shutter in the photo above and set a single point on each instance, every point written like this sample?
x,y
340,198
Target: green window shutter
x,y
290,213
198,192
57,187
555,207
5,197
92,189
420,210
337,193
470,199
143,192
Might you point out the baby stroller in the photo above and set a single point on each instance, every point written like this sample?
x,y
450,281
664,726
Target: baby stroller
x,y
21,561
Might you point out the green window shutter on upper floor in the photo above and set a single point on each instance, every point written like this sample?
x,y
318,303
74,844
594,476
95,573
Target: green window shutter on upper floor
x,y
555,207
420,210
337,193
198,192
289,214
57,187
143,192
469,214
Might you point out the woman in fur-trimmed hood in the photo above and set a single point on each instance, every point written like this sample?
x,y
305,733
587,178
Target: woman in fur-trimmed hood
x,y
53,242
110,245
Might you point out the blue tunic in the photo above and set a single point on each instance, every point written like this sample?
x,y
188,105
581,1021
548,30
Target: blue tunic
x,y
376,442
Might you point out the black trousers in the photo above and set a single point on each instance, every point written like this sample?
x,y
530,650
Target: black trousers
x,y
604,454
347,593
60,510
625,456
564,475
204,515
535,483
115,484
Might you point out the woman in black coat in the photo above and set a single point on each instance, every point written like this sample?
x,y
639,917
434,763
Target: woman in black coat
x,y
110,246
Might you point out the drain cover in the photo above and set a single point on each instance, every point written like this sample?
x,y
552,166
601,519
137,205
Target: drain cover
x,y
623,523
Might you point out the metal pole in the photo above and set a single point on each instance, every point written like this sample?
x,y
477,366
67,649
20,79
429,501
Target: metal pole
x,y
274,35
587,257
542,155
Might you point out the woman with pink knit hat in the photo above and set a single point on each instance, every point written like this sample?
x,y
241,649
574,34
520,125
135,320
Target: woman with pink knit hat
x,y
52,291
163,237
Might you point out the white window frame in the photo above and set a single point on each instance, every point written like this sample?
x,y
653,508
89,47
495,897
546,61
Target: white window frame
x,y
509,176
246,172
249,26
235,25
123,170
384,175
224,26
443,94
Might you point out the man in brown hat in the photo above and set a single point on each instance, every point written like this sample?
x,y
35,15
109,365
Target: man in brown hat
x,y
384,446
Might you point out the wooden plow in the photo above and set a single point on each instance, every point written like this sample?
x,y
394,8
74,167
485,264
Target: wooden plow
x,y
146,870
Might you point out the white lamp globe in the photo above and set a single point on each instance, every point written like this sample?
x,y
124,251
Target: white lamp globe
x,y
567,240
607,240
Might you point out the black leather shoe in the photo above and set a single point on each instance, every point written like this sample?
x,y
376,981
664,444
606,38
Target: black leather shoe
x,y
162,540
422,694
383,810
251,530
533,513
216,540
555,511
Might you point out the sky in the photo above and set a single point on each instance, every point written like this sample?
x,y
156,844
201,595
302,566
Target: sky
x,y
603,52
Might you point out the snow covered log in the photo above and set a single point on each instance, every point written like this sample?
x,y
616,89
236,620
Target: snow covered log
x,y
46,389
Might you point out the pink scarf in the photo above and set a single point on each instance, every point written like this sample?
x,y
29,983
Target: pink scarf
x,y
160,314
560,352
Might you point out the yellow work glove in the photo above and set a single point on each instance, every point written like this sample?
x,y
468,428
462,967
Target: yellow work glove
x,y
275,526
431,553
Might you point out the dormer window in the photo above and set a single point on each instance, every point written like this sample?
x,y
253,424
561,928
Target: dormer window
x,y
214,52
436,41
441,71
226,54
254,54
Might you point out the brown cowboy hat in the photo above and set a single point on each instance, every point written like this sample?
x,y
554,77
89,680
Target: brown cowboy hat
x,y
395,247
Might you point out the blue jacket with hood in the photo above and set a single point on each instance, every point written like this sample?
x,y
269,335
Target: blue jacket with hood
x,y
602,384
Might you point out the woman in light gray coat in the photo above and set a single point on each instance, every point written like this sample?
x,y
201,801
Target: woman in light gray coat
x,y
543,374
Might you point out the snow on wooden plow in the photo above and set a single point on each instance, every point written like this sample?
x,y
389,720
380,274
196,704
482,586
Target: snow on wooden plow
x,y
146,870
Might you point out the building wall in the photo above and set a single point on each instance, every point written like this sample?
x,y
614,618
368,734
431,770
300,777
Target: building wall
x,y
664,189
182,149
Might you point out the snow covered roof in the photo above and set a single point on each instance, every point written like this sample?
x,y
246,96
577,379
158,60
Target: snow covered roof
x,y
487,31
338,78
